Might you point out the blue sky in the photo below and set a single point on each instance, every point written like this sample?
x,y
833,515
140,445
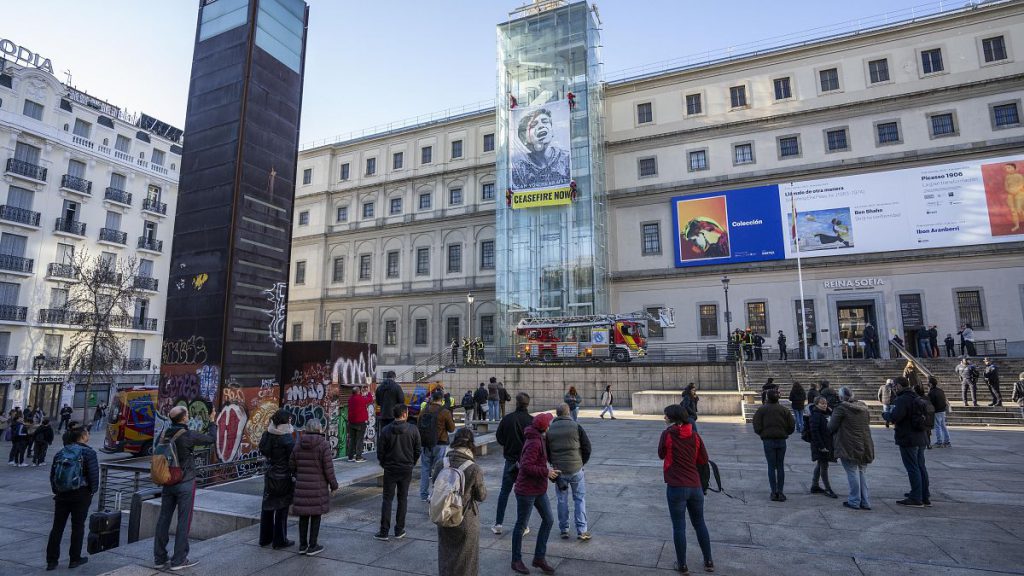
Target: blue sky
x,y
373,62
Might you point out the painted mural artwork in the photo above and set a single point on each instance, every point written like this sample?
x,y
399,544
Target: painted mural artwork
x,y
311,395
180,386
352,368
278,296
243,418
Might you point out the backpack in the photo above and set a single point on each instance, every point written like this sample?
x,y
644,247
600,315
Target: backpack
x,y
447,496
427,426
972,373
467,400
805,434
69,469
164,466
919,415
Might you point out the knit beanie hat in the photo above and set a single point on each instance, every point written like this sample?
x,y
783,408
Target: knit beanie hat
x,y
542,421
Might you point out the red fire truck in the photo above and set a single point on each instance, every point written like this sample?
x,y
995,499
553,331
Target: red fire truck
x,y
618,337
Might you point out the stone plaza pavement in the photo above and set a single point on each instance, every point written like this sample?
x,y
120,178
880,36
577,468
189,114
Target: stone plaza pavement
x,y
976,526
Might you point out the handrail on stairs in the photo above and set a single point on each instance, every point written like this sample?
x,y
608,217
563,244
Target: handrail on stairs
x,y
428,367
910,357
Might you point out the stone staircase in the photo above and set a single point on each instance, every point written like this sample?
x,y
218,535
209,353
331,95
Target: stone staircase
x,y
865,376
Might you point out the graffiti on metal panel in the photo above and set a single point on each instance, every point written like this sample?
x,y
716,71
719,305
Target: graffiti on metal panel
x,y
199,280
278,296
189,351
244,416
370,436
190,385
310,394
231,423
352,370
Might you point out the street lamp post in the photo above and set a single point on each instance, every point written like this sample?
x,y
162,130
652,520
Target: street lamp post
x,y
37,363
469,299
728,318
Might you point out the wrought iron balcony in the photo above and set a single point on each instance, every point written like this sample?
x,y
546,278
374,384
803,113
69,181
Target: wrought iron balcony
x,y
19,215
147,283
136,364
16,263
153,244
55,363
155,206
13,313
26,169
143,324
109,277
57,270
76,184
60,316
117,195
114,236
70,226
8,363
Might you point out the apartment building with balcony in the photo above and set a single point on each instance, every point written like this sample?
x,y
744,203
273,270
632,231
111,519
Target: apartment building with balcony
x,y
80,176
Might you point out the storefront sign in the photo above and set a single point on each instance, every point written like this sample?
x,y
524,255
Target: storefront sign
x,y
25,56
554,197
94,103
851,283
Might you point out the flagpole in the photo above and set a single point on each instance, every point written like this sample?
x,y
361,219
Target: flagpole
x,y
800,277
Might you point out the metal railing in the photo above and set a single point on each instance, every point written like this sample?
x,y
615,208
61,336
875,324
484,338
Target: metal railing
x,y
117,195
27,169
153,244
58,270
69,182
70,226
426,369
57,316
114,236
13,263
123,478
155,206
147,283
56,363
8,363
136,364
20,215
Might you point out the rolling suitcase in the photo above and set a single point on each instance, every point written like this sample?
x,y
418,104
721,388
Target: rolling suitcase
x,y
105,528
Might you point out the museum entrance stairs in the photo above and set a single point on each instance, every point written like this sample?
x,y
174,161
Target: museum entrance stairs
x,y
865,376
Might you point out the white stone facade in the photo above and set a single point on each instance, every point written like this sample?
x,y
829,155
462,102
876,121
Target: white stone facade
x,y
78,177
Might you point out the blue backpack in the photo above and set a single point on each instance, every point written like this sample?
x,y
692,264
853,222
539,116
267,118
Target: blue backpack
x,y
68,469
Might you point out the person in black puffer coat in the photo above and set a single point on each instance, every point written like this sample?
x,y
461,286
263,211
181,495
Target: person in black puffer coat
x,y
822,449
278,488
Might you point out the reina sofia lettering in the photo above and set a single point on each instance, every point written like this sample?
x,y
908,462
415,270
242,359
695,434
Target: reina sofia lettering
x,y
854,283
24,55
755,222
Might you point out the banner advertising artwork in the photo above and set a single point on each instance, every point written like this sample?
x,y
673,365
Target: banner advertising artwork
x,y
539,154
727,227
959,204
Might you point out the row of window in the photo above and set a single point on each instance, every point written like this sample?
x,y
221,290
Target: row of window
x,y
392,262
53,346
398,160
425,201
829,81
421,330
837,139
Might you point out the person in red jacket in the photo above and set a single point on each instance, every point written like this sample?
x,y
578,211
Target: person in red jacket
x,y
359,404
531,490
682,451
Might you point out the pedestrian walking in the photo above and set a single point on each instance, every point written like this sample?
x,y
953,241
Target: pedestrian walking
x,y
774,423
276,446
389,394
1018,393
74,478
568,451
434,424
949,342
682,451
493,399
607,399
97,416
480,402
458,547
359,406
781,341
41,439
824,389
797,401
991,372
822,447
180,496
19,441
938,400
886,395
65,417
573,400
851,426
314,483
689,403
511,435
503,397
968,374
398,450
531,489
909,416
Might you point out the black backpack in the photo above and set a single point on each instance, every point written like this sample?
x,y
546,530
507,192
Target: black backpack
x,y
427,426
805,435
919,415
467,400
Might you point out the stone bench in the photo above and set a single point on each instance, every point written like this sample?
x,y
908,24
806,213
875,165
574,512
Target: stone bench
x,y
711,403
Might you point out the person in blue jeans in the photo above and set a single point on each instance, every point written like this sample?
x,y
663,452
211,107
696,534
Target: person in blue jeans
x,y
851,426
569,450
434,444
911,435
682,451
510,437
773,422
493,397
531,490
797,400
